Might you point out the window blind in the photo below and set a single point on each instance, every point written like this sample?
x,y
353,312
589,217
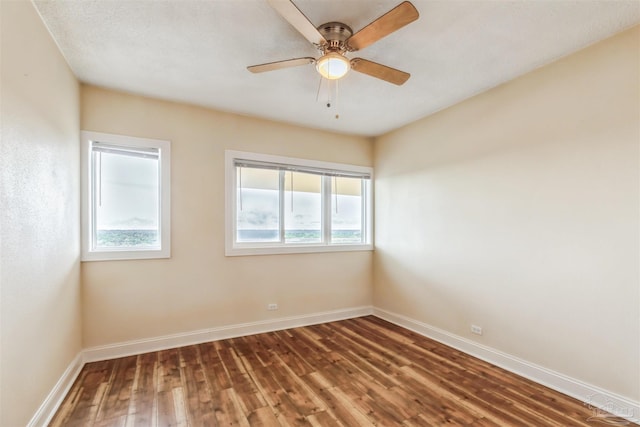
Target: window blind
x,y
143,152
241,163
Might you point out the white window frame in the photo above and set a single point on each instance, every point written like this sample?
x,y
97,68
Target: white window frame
x,y
89,253
233,248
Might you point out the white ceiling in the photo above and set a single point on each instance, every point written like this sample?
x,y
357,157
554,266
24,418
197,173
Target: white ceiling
x,y
197,52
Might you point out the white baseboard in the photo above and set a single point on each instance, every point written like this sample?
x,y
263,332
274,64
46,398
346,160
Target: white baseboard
x,y
596,398
147,345
47,410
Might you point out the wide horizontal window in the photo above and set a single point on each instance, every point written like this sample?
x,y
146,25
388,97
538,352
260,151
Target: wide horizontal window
x,y
126,197
285,205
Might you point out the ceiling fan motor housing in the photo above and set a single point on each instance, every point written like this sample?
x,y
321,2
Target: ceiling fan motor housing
x,y
336,34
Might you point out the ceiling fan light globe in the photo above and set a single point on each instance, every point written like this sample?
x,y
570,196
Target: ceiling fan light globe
x,y
333,66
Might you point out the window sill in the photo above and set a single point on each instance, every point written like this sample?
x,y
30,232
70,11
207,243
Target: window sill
x,y
295,249
125,255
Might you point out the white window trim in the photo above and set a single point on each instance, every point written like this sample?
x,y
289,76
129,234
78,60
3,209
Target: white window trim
x,y
88,253
241,249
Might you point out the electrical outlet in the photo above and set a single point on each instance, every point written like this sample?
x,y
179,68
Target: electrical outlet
x,y
272,307
475,329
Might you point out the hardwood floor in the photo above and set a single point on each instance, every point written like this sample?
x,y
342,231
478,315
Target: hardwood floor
x,y
357,372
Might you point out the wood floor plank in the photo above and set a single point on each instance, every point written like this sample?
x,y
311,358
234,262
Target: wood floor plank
x,y
198,395
339,409
251,350
141,405
229,413
356,372
356,408
324,419
115,405
167,380
263,417
215,372
84,401
241,381
374,410
278,398
300,394
297,364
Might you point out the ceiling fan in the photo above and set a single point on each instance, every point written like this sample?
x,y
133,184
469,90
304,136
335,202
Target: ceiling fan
x,y
335,39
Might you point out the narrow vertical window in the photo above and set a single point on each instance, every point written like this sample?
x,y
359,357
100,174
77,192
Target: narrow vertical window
x,y
257,205
126,197
302,207
347,219
126,207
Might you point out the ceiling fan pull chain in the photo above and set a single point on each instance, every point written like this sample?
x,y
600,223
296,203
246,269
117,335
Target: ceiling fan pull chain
x,y
319,87
336,100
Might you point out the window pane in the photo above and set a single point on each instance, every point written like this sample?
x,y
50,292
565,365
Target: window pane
x,y
303,208
126,201
258,207
346,210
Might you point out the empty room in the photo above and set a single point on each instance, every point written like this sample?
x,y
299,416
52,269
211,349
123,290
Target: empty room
x,y
320,213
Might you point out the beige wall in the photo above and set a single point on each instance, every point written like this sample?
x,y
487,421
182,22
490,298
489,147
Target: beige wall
x,y
39,214
518,210
199,287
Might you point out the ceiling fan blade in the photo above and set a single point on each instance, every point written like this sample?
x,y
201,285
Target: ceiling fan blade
x,y
270,66
296,18
396,18
379,71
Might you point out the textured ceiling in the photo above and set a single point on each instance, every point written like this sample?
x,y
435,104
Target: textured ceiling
x,y
197,52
